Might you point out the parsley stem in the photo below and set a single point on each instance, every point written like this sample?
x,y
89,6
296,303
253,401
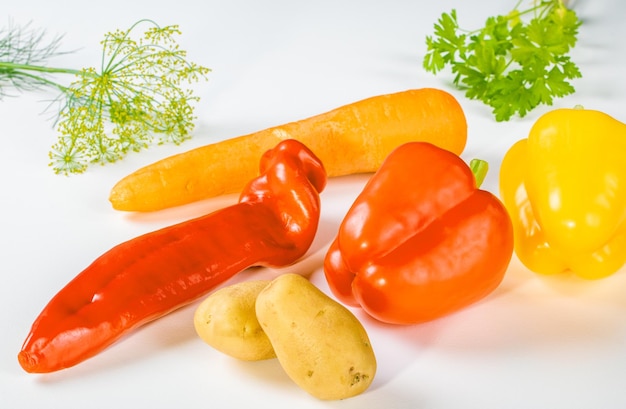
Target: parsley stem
x,y
544,7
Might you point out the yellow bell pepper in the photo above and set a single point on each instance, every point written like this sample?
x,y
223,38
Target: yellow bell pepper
x,y
565,190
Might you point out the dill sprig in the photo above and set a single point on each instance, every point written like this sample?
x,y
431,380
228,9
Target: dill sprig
x,y
22,50
134,98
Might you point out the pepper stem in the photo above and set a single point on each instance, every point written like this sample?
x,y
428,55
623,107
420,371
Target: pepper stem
x,y
479,168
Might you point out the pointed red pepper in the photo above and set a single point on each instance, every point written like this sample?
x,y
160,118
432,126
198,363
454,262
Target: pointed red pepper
x,y
421,240
273,224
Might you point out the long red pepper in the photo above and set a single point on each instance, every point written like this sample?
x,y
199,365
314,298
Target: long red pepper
x,y
273,224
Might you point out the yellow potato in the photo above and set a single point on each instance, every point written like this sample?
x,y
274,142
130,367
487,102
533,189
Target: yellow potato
x,y
321,345
226,320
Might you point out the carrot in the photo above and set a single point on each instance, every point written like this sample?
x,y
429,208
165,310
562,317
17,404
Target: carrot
x,y
354,138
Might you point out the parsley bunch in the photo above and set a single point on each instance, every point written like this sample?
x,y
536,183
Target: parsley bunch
x,y
136,94
510,64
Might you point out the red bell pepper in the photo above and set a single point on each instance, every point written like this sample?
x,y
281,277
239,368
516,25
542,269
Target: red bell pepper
x,y
421,240
273,224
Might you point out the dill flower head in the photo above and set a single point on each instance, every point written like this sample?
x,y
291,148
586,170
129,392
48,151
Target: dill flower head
x,y
135,97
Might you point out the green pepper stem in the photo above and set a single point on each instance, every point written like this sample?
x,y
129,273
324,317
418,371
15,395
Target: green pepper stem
x,y
479,168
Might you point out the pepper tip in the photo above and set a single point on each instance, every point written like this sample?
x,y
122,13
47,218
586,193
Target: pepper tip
x,y
29,362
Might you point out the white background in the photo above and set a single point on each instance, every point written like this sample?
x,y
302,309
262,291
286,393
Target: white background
x,y
535,342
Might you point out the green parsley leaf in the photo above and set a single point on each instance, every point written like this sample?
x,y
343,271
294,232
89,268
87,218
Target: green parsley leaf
x,y
510,64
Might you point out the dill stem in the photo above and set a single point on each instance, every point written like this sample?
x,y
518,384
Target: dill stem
x,y
13,69
9,67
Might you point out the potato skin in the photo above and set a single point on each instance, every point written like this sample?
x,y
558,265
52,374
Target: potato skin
x,y
226,320
320,344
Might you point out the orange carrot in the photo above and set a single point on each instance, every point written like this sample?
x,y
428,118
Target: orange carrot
x,y
354,138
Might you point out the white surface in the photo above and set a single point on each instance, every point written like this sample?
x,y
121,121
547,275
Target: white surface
x,y
533,343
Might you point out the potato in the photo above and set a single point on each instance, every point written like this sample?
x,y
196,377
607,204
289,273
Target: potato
x,y
226,320
320,344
